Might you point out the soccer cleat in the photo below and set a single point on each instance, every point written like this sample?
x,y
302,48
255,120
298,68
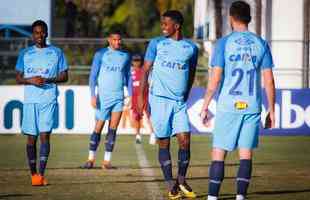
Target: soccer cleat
x,y
88,165
187,190
107,165
38,180
174,193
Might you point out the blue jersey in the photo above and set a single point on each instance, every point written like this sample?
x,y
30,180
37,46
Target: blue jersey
x,y
46,62
110,71
242,55
172,61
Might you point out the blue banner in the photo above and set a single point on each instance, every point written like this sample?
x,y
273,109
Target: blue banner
x,y
292,112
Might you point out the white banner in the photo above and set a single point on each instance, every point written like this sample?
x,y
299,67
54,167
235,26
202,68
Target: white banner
x,y
75,114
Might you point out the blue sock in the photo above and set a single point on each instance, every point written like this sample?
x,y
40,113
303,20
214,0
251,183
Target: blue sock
x,y
216,174
94,141
165,163
184,157
244,176
44,152
110,140
32,158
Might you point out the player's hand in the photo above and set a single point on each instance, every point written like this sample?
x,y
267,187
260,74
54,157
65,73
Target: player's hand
x,y
37,81
204,116
93,101
270,120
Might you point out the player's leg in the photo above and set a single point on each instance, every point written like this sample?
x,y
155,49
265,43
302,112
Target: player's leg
x,y
102,114
181,127
111,138
216,173
46,114
31,149
135,121
248,140
161,111
225,138
164,158
30,128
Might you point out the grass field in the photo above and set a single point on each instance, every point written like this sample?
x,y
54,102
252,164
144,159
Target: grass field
x,y
281,170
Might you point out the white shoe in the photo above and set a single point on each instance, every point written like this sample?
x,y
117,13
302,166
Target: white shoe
x,y
240,197
211,197
152,140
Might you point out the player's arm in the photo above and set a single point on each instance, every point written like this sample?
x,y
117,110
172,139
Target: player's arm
x,y
149,58
147,65
192,72
60,78
266,66
215,76
270,92
93,78
62,69
36,80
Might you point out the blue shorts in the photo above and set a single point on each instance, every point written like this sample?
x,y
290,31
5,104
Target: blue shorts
x,y
168,117
105,108
38,118
233,131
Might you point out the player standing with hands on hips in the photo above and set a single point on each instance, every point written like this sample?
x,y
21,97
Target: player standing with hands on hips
x,y
237,64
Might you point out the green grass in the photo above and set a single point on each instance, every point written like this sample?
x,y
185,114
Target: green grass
x,y
281,170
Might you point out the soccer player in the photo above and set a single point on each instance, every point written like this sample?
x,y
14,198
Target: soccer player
x,y
237,63
110,72
173,60
40,67
134,90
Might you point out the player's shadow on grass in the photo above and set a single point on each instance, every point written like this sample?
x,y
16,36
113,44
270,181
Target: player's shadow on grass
x,y
4,196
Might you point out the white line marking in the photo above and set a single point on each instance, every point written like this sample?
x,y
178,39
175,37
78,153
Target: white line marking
x,y
151,187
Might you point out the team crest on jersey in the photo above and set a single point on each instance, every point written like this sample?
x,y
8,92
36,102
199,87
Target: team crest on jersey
x,y
166,43
186,46
244,41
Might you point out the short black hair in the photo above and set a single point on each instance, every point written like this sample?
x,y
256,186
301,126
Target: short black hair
x,y
39,23
175,15
137,57
115,31
240,11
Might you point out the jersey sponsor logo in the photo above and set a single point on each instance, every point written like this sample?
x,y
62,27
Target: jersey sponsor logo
x,y
241,105
32,70
243,57
113,68
244,41
173,65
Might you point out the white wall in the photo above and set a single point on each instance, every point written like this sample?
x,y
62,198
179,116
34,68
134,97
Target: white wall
x,y
287,46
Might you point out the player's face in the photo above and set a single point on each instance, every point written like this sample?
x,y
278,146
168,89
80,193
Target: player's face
x,y
115,41
39,36
168,26
136,64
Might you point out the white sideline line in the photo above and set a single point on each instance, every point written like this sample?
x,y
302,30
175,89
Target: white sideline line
x,y
151,187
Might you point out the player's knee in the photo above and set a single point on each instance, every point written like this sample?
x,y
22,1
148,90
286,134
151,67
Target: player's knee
x,y
184,143
31,140
164,143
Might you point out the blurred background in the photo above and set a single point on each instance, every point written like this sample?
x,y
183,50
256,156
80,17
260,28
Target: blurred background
x,y
81,26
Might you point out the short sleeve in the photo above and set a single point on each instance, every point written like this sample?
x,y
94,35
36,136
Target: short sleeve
x,y
62,63
218,54
20,61
267,61
151,51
